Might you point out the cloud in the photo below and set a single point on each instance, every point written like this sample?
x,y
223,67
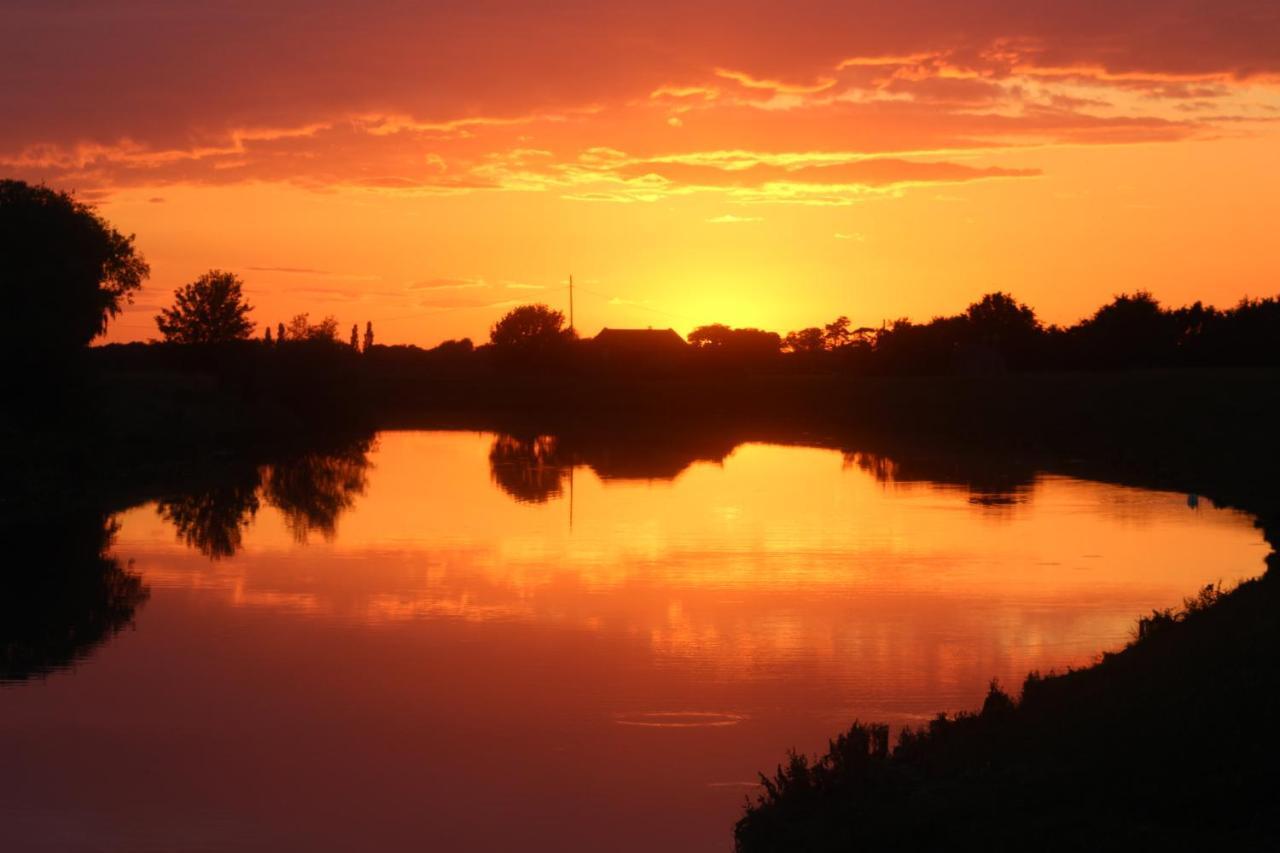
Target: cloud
x,y
446,98
729,218
776,86
448,284
292,270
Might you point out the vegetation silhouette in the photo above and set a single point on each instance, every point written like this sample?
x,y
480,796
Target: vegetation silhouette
x,y
531,336
301,329
1167,744
65,272
209,310
57,608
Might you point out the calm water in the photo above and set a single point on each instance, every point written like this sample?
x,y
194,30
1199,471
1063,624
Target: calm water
x,y
463,646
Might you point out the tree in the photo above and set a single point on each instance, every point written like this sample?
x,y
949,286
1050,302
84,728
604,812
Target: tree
x,y
64,271
805,340
1003,329
711,336
368,335
1130,331
530,328
266,335
279,332
736,344
998,316
300,328
209,310
836,334
355,337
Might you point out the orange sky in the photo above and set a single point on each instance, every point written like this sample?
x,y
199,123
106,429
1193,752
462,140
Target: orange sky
x,y
746,162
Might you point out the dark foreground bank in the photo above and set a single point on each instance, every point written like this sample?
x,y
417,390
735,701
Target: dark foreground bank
x,y
1169,744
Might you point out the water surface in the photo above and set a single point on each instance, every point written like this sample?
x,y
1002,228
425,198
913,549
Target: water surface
x,y
470,642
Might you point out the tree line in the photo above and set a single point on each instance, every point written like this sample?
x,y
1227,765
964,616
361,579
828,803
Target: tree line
x,y
67,272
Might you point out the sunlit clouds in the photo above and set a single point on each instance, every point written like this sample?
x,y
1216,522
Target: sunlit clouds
x,y
507,127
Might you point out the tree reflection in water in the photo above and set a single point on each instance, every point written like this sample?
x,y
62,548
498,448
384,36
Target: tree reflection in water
x,y
56,610
311,489
990,482
213,520
535,469
531,470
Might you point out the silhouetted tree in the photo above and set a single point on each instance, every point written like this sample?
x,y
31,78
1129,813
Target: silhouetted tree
x,y
735,346
1130,331
209,310
355,337
266,335
454,348
530,328
279,332
808,340
300,328
836,334
710,336
368,335
64,270
1003,330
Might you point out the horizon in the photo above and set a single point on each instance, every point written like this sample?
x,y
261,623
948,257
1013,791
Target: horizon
x,y
427,169
483,340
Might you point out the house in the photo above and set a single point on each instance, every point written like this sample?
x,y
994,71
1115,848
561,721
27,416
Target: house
x,y
639,347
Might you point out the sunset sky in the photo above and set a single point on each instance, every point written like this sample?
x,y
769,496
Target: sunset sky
x,y
428,165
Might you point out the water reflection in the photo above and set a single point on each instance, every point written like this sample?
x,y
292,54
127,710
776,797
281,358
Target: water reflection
x,y
529,469
55,609
534,468
311,489
989,482
451,664
213,519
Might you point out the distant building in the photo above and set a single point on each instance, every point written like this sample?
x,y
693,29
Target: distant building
x,y
640,347
640,341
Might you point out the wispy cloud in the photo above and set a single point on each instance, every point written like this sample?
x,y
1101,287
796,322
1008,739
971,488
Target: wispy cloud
x,y
448,284
729,219
294,270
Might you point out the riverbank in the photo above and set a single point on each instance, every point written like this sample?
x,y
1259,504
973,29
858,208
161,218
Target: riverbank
x,y
1168,744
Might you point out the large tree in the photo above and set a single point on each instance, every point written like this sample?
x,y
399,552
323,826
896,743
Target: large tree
x,y
64,271
529,327
209,310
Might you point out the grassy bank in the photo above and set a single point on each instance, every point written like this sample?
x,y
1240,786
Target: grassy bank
x,y
1168,744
